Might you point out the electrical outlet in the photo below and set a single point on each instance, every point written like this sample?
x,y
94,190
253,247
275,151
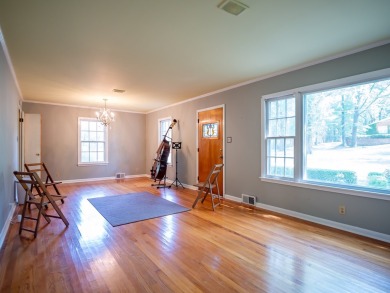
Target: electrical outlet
x,y
342,210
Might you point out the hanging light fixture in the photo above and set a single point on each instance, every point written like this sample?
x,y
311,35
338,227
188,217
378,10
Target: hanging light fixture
x,y
105,116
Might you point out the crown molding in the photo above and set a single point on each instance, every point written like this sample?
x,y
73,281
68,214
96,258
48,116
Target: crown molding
x,y
277,73
78,106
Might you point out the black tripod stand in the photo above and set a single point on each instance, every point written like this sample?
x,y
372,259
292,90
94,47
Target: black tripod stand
x,y
176,146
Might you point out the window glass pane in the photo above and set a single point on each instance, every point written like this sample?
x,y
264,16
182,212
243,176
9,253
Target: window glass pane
x,y
290,107
281,127
272,109
92,136
84,157
84,135
289,168
100,127
290,126
164,125
271,166
93,156
100,156
84,125
279,168
281,108
348,140
84,146
280,147
101,147
164,130
210,130
271,147
290,147
93,146
272,129
92,126
100,136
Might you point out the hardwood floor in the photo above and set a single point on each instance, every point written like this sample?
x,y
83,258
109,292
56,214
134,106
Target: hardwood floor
x,y
234,249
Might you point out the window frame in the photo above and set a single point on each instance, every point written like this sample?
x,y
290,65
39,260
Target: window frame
x,y
79,162
169,162
299,163
276,137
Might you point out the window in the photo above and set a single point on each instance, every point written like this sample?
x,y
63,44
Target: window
x,y
281,136
335,135
210,130
164,130
92,144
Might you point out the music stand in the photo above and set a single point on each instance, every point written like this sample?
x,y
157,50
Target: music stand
x,y
176,146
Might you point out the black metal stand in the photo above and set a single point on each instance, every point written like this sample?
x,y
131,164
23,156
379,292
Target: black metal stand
x,y
176,181
161,185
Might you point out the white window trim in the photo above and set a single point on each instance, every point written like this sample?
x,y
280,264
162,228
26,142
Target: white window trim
x,y
298,93
83,164
170,164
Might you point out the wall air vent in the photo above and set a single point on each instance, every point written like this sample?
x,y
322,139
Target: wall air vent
x,y
233,7
119,175
249,199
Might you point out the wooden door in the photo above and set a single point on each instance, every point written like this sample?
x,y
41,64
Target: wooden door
x,y
32,138
210,143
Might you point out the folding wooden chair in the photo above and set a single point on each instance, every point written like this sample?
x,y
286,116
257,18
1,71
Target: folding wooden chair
x,y
40,168
40,200
205,188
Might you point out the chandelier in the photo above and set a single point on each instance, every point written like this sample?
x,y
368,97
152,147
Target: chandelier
x,y
105,116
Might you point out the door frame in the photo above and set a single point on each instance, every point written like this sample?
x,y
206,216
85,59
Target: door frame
x,y
223,142
21,139
27,137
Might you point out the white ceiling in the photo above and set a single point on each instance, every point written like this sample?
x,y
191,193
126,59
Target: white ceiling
x,y
163,52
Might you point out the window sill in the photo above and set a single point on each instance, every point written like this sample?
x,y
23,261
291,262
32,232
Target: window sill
x,y
92,164
362,193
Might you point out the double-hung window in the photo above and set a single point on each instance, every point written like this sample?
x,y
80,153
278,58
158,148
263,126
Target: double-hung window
x,y
331,135
165,131
280,136
92,142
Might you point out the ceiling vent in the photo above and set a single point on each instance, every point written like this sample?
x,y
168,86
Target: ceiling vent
x,y
233,7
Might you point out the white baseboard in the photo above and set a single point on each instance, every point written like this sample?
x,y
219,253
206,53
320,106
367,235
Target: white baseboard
x,y
168,181
100,178
333,224
7,224
329,223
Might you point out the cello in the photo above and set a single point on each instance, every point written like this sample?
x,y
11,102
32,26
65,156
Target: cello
x,y
159,167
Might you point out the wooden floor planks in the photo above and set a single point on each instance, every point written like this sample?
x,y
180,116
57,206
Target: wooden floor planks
x,y
234,249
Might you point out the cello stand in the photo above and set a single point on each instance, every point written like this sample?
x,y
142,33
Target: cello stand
x,y
176,146
162,185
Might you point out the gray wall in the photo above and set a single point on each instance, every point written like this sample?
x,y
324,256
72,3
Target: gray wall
x,y
126,142
242,157
9,101
133,143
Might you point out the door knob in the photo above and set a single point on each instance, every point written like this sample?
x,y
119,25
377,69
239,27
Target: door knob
x,y
37,154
